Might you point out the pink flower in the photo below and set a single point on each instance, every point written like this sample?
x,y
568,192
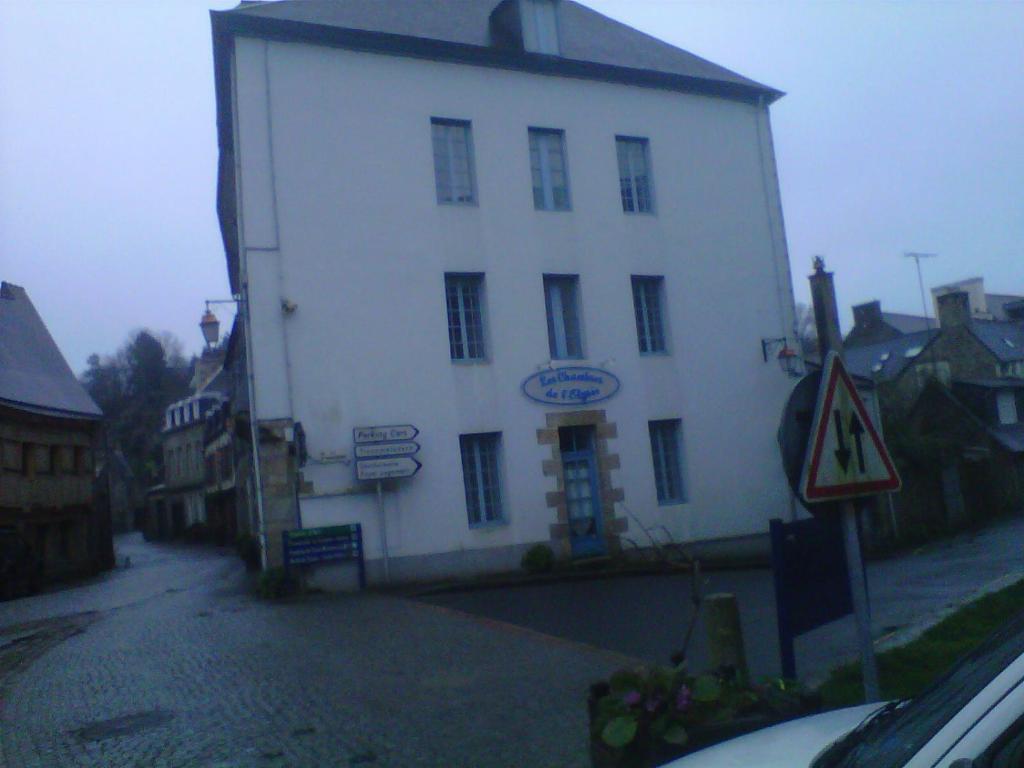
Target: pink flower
x,y
632,698
683,699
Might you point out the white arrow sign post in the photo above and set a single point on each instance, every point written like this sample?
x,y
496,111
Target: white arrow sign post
x,y
383,450
387,468
382,453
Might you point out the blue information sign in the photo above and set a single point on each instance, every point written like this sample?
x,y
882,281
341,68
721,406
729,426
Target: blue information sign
x,y
330,544
571,385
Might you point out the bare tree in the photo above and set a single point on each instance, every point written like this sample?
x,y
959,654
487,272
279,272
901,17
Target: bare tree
x,y
807,331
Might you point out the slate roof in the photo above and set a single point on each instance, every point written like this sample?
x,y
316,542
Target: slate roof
x,y
584,34
1005,383
1004,340
996,303
34,376
860,361
908,323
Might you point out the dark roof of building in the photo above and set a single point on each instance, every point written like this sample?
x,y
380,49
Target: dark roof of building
x,y
584,34
996,304
885,360
1005,383
593,47
1004,340
907,323
34,376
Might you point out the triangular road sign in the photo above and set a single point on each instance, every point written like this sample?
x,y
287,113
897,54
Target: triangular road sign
x,y
845,456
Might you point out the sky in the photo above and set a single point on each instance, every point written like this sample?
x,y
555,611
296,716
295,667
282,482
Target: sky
x,y
902,129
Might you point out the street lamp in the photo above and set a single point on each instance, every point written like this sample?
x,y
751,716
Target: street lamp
x,y
787,357
210,326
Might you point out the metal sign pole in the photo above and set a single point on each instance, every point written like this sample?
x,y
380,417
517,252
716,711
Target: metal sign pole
x,y
859,592
383,531
826,314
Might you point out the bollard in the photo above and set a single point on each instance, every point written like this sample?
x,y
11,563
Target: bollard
x,y
725,634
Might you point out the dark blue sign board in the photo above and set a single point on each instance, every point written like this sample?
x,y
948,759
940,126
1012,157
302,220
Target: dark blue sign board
x,y
308,546
812,586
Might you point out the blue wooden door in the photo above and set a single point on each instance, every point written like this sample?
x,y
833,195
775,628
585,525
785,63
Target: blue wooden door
x,y
582,495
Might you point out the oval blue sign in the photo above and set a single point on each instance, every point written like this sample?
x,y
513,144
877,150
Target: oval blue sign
x,y
572,385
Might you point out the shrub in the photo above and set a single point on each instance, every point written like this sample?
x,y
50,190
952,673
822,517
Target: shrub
x,y
276,583
538,559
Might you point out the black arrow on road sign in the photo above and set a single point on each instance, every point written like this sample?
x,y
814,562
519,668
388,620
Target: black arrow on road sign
x,y
843,453
857,429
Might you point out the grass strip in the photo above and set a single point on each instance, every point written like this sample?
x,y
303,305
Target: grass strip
x,y
907,670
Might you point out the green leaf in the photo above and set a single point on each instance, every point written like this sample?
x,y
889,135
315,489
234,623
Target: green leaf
x,y
626,680
619,732
675,734
660,725
706,689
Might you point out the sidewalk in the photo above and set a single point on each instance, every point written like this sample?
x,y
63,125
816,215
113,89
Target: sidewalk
x,y
647,616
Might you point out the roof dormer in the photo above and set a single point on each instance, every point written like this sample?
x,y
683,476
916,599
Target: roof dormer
x,y
527,25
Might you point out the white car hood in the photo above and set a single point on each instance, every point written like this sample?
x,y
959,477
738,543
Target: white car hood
x,y
790,745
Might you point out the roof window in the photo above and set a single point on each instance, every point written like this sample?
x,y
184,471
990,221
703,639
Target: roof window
x,y
913,351
885,356
1009,343
526,25
540,26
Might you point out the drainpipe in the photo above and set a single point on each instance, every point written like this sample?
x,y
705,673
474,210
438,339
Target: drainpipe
x,y
776,223
243,307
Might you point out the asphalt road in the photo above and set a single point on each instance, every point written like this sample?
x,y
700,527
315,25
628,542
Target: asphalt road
x,y
647,616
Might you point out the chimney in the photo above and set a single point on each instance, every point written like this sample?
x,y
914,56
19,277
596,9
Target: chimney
x,y
867,317
826,312
954,309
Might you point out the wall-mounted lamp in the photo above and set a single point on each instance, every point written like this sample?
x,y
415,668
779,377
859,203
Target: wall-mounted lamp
x,y
787,357
209,324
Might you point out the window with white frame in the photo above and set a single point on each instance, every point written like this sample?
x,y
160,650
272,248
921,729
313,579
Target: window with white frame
x,y
650,328
453,161
634,175
549,170
1006,406
464,299
540,26
666,453
481,477
561,299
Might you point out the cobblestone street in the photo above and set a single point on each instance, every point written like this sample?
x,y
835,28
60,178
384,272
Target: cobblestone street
x,y
172,663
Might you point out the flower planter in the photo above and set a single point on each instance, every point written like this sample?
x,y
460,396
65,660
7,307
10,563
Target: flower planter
x,y
645,750
658,754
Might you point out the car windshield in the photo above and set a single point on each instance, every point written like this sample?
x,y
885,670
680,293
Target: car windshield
x,y
890,741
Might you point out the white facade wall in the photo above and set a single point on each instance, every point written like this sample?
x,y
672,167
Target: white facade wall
x,y
338,215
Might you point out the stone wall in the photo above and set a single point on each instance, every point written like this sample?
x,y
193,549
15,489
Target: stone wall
x,y
611,526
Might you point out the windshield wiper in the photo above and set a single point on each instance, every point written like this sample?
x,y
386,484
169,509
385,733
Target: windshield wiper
x,y
838,750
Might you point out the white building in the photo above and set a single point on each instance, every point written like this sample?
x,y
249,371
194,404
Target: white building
x,y
426,202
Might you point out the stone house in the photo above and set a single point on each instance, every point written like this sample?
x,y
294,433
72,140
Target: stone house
x,y
50,430
963,347
873,326
967,455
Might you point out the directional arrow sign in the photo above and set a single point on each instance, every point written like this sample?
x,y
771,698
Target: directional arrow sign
x,y
845,456
384,469
383,450
384,434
